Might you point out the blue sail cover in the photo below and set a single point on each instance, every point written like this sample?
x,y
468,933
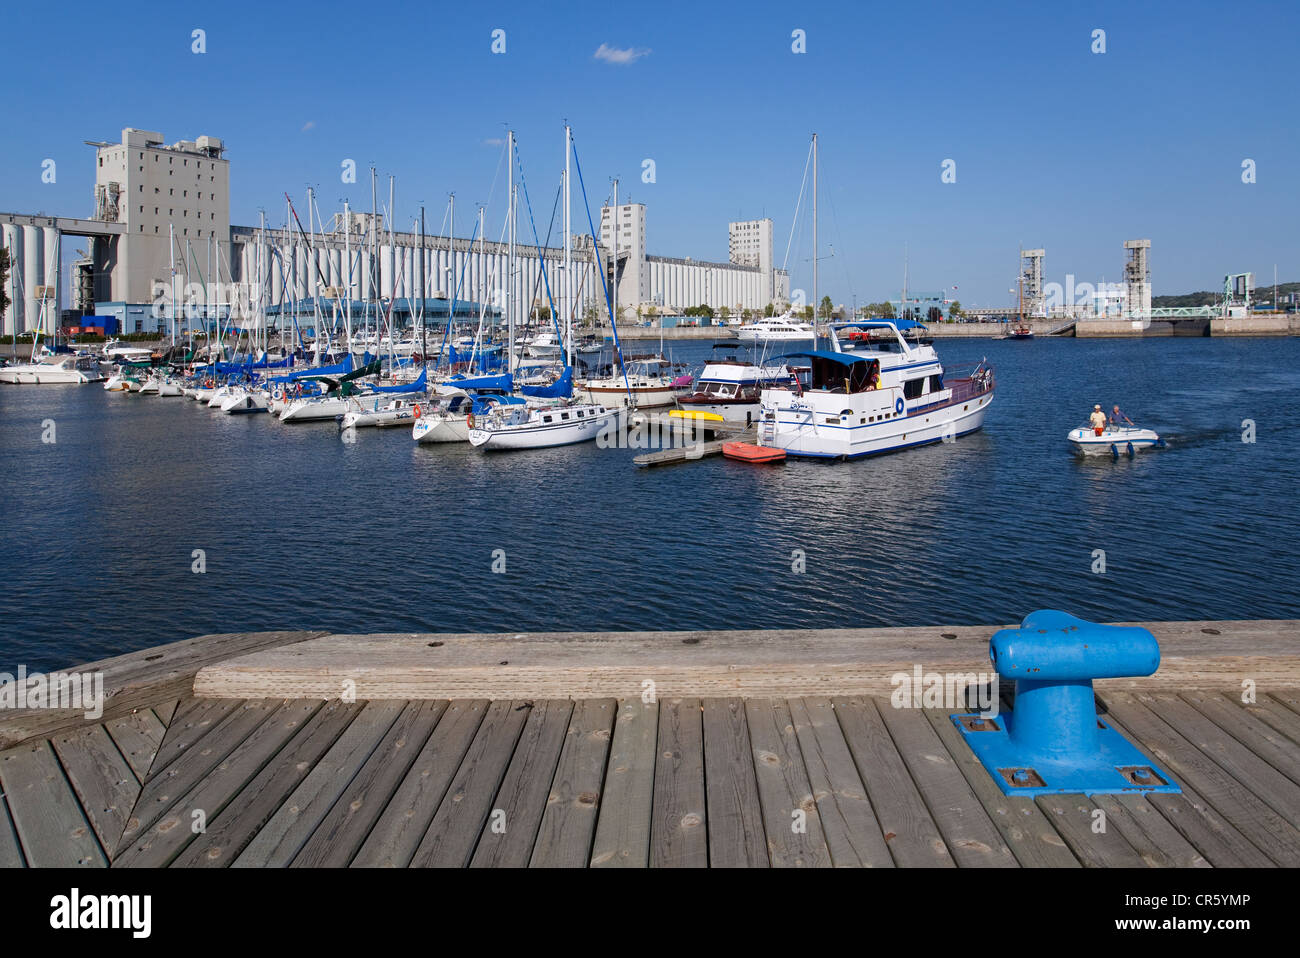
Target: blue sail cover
x,y
503,383
562,388
338,369
414,387
263,363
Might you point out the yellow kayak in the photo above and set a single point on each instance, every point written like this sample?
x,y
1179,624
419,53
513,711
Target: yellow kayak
x,y
690,414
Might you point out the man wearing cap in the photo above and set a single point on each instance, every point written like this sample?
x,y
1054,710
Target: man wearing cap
x,y
1098,419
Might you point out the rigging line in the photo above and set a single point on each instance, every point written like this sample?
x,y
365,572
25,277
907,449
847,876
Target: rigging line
x,y
609,303
797,204
835,228
541,256
455,296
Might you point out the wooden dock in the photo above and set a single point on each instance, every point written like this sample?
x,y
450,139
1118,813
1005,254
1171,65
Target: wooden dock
x,y
630,750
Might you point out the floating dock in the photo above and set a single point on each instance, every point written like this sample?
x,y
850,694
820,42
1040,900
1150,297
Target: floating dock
x,y
777,748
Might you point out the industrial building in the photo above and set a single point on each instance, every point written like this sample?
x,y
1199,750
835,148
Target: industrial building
x,y
164,210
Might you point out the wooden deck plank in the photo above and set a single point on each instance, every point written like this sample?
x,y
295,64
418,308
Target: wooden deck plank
x,y
708,663
234,826
790,816
970,836
1074,818
163,789
1207,831
138,737
403,824
459,820
194,719
103,781
164,711
569,820
509,842
623,820
1268,709
48,818
910,832
286,831
1290,697
1150,834
678,827
159,843
342,832
142,679
1254,733
736,832
853,834
1247,812
1235,756
1020,822
11,851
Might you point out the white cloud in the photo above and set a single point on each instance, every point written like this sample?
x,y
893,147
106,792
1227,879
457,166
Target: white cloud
x,y
620,57
307,126
495,141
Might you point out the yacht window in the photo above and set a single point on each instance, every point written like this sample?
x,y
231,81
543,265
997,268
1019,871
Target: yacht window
x,y
546,419
912,388
580,413
564,415
936,383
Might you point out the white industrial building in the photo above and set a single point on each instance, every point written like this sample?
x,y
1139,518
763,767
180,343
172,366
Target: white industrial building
x,y
155,205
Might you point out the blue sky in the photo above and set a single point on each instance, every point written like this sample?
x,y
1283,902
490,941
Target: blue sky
x,y
1054,145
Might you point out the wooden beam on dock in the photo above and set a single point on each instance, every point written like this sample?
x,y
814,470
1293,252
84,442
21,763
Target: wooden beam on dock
x,y
139,680
1209,656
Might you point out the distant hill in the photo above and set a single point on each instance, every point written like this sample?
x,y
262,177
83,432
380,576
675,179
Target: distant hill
x,y
1208,298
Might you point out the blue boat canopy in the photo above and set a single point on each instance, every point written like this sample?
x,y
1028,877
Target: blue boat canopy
x,y
899,324
844,359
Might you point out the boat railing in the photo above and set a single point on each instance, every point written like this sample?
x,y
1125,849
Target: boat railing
x,y
969,380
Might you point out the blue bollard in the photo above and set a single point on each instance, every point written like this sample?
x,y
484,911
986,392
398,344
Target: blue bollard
x,y
1053,741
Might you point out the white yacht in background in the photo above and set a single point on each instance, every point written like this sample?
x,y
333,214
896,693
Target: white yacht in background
x,y
54,368
450,416
539,427
115,352
885,396
777,329
241,401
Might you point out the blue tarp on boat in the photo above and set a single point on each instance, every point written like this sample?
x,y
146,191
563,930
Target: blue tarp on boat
x,y
560,389
414,387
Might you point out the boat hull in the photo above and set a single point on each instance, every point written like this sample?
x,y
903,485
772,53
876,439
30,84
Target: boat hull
x,y
539,434
1113,442
314,410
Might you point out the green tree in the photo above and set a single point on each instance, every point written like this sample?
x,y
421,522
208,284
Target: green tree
x,y
826,307
955,310
543,313
769,309
882,310
724,312
806,312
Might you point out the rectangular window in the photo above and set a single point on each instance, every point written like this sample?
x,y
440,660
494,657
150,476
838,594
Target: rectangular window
x,y
912,388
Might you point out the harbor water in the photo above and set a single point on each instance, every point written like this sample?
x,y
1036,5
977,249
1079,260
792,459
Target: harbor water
x,y
148,520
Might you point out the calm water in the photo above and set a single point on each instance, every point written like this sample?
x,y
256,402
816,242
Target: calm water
x,y
303,530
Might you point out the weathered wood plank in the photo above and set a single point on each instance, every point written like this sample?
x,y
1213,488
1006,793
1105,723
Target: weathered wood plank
x,y
103,781
285,832
737,834
138,736
1020,822
456,826
706,664
1248,813
194,719
792,822
1256,734
623,823
678,828
164,711
11,852
1207,831
403,824
910,833
141,679
337,838
165,788
1268,709
1074,819
569,822
967,831
158,844
849,824
48,818
1235,756
1149,832
522,797
234,827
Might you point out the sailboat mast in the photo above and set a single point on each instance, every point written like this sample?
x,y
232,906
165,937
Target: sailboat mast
x,y
614,282
510,259
816,300
568,251
171,256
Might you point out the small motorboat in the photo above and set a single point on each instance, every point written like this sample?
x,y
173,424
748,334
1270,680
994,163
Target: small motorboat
x,y
696,415
1114,441
748,452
